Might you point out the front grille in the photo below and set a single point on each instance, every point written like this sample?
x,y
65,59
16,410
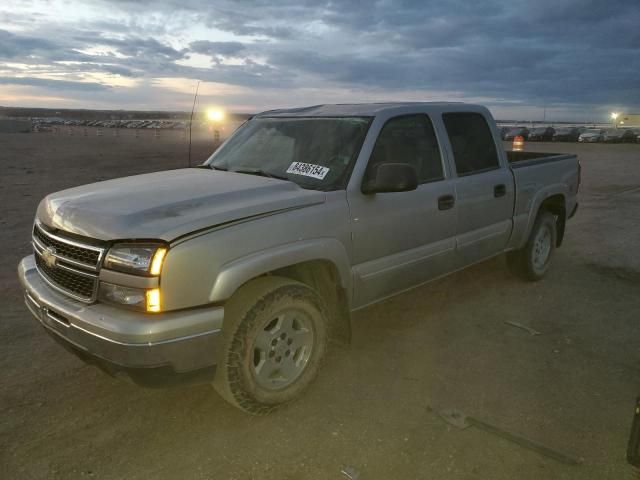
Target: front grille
x,y
67,265
71,282
84,254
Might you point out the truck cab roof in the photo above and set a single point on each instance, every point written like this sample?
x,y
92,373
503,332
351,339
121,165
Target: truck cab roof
x,y
363,109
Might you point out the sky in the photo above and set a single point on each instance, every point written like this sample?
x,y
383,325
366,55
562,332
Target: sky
x,y
524,59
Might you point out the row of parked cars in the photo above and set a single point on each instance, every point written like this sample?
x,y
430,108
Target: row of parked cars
x,y
573,134
42,123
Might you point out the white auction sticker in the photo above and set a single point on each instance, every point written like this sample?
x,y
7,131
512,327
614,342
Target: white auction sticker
x,y
308,170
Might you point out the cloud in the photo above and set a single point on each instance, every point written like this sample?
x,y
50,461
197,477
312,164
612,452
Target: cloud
x,y
217,48
54,84
17,46
582,55
133,46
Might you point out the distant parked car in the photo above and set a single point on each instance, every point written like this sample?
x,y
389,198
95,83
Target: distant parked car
x,y
566,134
514,132
613,135
592,135
630,135
541,134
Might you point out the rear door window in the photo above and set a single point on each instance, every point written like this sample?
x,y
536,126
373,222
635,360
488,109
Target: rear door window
x,y
474,150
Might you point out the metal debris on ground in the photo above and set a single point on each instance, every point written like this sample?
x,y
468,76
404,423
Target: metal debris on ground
x,y
633,445
460,420
455,418
351,473
523,327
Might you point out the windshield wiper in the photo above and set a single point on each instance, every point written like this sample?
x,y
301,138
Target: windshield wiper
x,y
262,173
214,167
210,167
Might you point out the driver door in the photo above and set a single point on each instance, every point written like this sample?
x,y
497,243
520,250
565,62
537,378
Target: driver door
x,y
402,239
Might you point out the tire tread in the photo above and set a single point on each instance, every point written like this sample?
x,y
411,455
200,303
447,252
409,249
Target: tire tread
x,y
519,261
244,307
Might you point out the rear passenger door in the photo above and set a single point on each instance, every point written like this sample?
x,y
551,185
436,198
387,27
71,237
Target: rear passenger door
x,y
401,239
484,188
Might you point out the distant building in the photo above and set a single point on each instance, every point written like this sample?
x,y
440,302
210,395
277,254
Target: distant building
x,y
628,120
11,125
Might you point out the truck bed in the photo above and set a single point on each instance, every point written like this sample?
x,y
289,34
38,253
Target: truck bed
x,y
538,176
525,159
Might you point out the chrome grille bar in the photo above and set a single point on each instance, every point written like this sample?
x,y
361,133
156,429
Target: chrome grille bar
x,y
45,239
70,271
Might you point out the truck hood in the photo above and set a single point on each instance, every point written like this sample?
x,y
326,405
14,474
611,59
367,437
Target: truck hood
x,y
166,205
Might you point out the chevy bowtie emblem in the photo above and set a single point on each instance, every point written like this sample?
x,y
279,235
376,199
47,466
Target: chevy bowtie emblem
x,y
49,256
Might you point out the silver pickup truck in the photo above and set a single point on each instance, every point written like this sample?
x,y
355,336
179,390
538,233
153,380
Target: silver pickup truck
x,y
242,269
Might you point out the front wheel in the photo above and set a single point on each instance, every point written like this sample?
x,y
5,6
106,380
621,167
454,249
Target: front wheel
x,y
532,261
275,335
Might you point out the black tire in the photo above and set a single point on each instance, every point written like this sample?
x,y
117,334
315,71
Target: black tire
x,y
523,262
248,315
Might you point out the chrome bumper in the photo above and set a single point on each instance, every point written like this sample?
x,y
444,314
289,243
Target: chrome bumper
x,y
184,341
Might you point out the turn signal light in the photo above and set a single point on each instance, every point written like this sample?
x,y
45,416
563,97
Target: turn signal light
x,y
158,259
153,300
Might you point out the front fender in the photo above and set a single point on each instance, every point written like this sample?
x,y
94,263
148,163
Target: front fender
x,y
237,272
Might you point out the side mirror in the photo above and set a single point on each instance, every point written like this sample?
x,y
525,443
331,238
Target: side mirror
x,y
392,177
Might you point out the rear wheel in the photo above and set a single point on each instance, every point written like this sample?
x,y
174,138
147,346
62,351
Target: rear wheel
x,y
532,261
275,338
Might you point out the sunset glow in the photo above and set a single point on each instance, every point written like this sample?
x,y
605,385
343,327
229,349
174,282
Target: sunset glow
x,y
150,55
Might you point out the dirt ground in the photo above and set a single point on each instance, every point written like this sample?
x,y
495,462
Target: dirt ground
x,y
374,406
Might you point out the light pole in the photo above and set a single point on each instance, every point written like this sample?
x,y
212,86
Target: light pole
x,y
216,116
614,117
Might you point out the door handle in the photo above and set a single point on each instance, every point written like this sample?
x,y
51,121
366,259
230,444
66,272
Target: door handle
x,y
446,202
499,190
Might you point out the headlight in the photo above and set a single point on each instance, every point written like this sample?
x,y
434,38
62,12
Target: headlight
x,y
135,298
137,258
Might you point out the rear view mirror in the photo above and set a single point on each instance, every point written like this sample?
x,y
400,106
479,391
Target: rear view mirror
x,y
392,177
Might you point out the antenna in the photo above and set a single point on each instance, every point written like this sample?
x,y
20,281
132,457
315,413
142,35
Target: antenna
x,y
195,97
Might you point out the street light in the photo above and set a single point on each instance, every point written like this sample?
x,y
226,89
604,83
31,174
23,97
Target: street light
x,y
614,116
216,116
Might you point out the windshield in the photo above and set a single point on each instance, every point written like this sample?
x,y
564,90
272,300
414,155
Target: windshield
x,y
593,130
316,153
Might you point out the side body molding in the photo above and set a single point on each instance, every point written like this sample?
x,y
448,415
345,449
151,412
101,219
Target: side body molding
x,y
237,272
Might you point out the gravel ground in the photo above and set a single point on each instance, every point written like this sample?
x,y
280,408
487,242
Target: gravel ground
x,y
374,406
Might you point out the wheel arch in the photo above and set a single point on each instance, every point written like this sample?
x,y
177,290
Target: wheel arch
x,y
323,276
322,264
551,200
557,205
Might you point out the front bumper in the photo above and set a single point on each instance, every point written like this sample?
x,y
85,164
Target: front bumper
x,y
116,339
